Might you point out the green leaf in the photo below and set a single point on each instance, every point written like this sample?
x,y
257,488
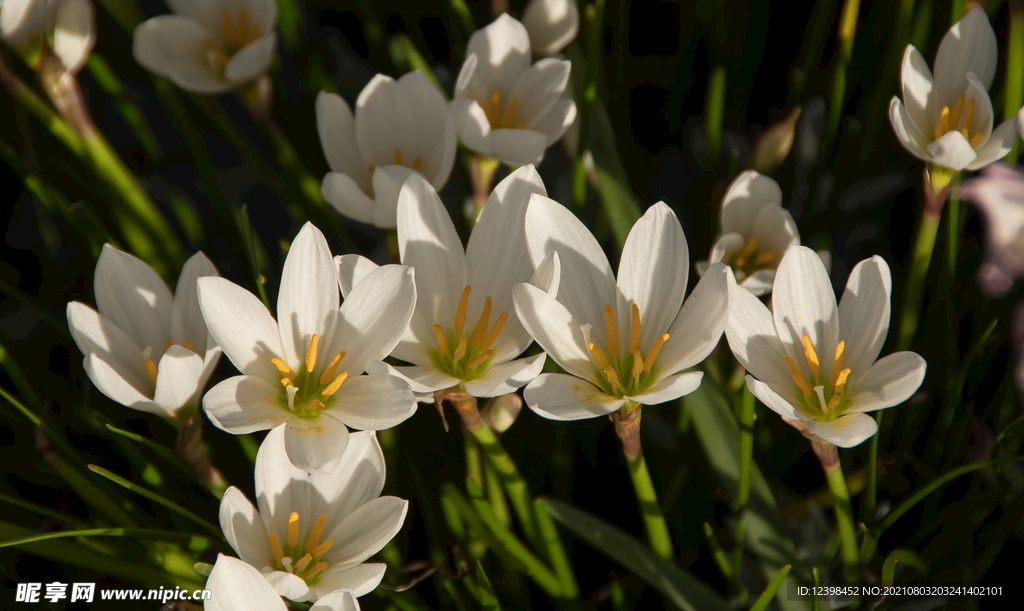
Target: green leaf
x,y
766,597
904,556
681,588
485,591
195,543
289,22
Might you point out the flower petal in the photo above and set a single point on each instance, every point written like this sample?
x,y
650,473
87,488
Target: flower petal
x,y
133,297
503,52
366,530
177,383
507,377
243,528
746,196
236,586
289,585
518,146
552,25
252,61
281,487
753,338
890,381
187,322
95,334
670,388
307,299
969,46
653,271
172,46
387,185
336,127
315,445
538,88
845,431
351,270
426,378
344,599
915,144
74,33
557,121
385,121
554,328
245,404
432,137
109,382
21,20
471,125
241,325
952,151
916,82
557,396
772,399
358,481
373,402
342,192
997,146
699,324
804,304
864,313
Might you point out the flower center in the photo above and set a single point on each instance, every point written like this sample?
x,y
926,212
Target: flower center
x,y
305,560
823,399
417,163
629,373
950,120
151,367
748,260
238,34
471,355
306,391
498,119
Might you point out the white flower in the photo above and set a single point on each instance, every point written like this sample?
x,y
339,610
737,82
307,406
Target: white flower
x,y
209,46
814,363
399,128
552,25
999,195
622,339
462,332
71,25
948,120
505,108
756,232
304,369
144,348
313,532
236,586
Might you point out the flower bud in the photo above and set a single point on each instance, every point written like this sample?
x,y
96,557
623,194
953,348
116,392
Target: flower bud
x,y
774,145
501,412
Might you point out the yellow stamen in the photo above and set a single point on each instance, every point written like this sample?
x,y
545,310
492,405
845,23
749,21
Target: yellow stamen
x,y
954,115
317,404
812,357
398,157
293,529
303,563
744,254
188,345
638,364
976,138
168,344
460,313
460,350
968,118
832,403
275,548
655,349
283,367
763,258
635,330
333,387
332,368
286,382
602,360
510,114
837,362
481,325
225,18
311,352
242,27
493,109
320,549
943,126
313,572
613,378
495,331
798,376
314,535
371,168
442,343
612,330
840,383
480,358
417,164
151,370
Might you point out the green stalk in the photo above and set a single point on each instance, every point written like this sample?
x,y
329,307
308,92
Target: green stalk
x,y
957,10
117,479
594,15
714,111
627,427
474,469
844,518
847,33
746,422
1014,93
924,245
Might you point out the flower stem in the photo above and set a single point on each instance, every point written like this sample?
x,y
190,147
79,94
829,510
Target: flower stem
x,y
924,245
189,446
481,175
746,460
846,35
844,518
594,19
627,427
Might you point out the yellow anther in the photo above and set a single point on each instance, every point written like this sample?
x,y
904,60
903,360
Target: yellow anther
x,y
188,345
812,357
480,358
303,563
442,343
510,114
832,403
151,369
612,329
283,367
655,349
837,362
744,254
635,330
398,156
417,164
317,404
493,109
460,313
275,548
840,382
219,57
293,529
320,549
798,376
313,572
311,352
286,382
332,368
602,360
763,258
612,377
495,331
943,125
481,325
168,344
638,364
954,115
460,350
977,138
371,168
335,384
968,118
